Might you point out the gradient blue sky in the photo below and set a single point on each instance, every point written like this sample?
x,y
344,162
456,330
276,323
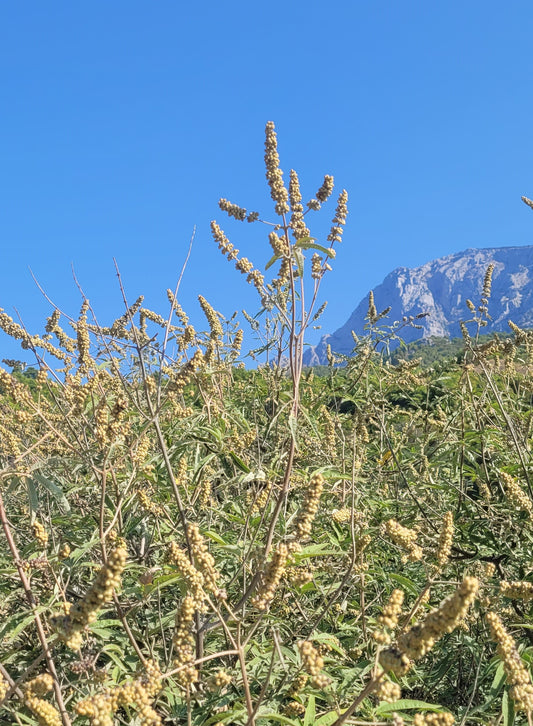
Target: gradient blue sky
x,y
122,123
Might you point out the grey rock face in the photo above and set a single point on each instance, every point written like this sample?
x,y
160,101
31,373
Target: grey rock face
x,y
441,288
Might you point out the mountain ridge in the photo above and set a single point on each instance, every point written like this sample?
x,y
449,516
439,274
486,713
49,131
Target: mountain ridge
x,y
440,288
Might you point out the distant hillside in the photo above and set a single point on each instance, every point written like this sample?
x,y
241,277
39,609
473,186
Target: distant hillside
x,y
441,288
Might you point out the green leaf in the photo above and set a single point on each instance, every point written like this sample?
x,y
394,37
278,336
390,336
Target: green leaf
x,y
507,710
239,463
300,260
56,491
278,717
406,704
408,584
312,246
271,261
33,498
310,712
327,719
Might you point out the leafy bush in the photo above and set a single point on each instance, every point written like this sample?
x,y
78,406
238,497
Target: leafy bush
x,y
187,541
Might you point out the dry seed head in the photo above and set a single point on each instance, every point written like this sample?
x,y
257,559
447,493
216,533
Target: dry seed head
x,y
271,578
47,714
310,506
518,677
527,201
233,210
224,245
299,230
445,539
184,643
393,608
317,270
70,626
419,639
404,537
205,562
40,534
212,318
82,336
39,685
274,174
520,590
4,687
294,708
326,189
487,281
339,220
313,663
192,576
372,313
388,691
514,492
433,719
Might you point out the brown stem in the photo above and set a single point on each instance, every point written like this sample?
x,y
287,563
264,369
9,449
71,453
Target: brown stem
x,y
38,622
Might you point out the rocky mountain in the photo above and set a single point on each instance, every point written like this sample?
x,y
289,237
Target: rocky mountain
x,y
441,288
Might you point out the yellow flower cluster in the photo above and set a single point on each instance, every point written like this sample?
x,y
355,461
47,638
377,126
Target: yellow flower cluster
x,y
388,691
192,576
514,492
445,540
47,714
518,678
297,223
433,719
233,210
271,577
404,537
310,506
148,505
40,534
183,642
341,516
339,220
218,680
520,590
140,693
69,627
212,318
389,617
274,174
294,708
297,685
203,559
420,638
313,663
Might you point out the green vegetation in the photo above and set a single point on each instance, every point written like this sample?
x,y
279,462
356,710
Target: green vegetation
x,y
189,542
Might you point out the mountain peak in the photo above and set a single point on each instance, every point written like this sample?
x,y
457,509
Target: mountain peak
x,y
441,288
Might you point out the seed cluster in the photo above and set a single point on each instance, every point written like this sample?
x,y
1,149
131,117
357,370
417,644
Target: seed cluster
x,y
517,498
139,693
518,678
389,617
420,638
445,540
271,578
520,590
69,627
313,663
212,318
433,719
183,642
309,508
404,537
297,223
40,534
274,175
47,714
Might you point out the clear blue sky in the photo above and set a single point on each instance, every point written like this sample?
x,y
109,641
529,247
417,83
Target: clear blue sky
x,y
122,123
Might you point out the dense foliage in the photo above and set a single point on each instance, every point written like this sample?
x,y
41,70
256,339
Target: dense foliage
x,y
187,541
